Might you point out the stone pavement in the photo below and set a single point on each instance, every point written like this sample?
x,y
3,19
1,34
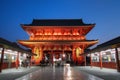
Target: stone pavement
x,y
59,73
105,73
13,73
45,73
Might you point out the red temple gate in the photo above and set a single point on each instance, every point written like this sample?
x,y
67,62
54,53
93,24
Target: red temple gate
x,y
58,37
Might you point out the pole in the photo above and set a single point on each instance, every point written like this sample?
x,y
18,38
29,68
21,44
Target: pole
x,y
100,56
1,61
17,60
91,60
117,60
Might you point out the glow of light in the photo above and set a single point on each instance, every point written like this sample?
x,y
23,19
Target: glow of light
x,y
78,51
77,33
88,55
45,33
37,33
65,33
118,49
112,50
24,55
0,49
60,59
13,57
63,55
32,34
55,33
92,54
5,57
8,51
49,33
103,52
108,50
73,33
67,70
59,33
96,52
54,59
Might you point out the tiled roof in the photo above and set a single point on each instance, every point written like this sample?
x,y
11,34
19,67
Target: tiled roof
x,y
111,42
57,22
106,45
12,45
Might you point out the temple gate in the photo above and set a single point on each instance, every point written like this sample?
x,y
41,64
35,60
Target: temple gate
x,y
58,40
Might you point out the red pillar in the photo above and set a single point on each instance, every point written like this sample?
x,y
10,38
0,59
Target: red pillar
x,y
41,53
117,60
100,56
17,61
1,61
75,59
73,55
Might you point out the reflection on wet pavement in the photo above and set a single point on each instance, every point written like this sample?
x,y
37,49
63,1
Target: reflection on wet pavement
x,y
58,73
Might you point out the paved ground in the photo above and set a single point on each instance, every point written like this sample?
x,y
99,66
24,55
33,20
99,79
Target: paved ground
x,y
12,74
59,73
105,73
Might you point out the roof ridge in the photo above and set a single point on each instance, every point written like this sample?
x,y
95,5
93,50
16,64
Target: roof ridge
x,y
60,19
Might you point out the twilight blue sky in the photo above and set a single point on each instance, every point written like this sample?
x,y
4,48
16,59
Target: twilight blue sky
x,y
105,13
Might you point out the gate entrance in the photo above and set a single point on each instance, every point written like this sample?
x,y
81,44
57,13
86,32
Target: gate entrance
x,y
56,38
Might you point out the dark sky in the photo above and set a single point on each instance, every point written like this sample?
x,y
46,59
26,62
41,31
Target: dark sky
x,y
105,13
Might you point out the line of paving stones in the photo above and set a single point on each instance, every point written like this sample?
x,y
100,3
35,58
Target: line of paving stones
x,y
12,74
106,74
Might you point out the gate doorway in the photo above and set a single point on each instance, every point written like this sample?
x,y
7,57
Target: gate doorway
x,y
57,58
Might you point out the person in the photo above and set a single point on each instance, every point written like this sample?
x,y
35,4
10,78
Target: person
x,y
17,63
20,63
28,63
33,62
25,63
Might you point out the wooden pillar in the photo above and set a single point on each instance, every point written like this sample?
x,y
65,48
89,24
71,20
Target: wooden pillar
x,y
1,61
91,60
9,60
17,61
41,52
73,55
63,51
117,60
100,56
63,54
33,56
